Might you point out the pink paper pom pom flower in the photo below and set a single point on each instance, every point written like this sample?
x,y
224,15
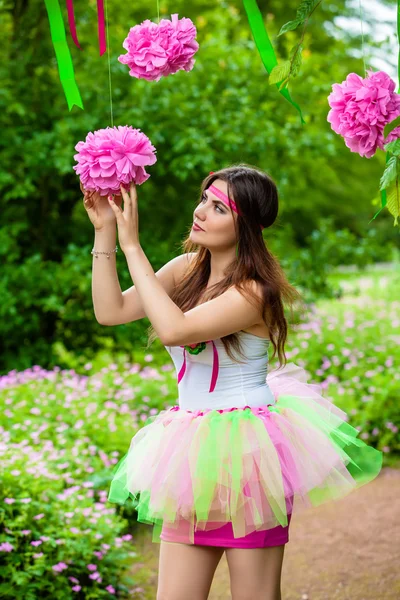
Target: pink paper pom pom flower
x,y
157,50
360,109
113,156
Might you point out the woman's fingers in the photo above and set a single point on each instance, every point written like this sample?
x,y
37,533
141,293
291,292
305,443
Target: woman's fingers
x,y
124,193
89,202
127,202
86,195
132,192
89,197
117,209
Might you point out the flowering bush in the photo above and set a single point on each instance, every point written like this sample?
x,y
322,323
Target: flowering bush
x,y
351,347
61,435
58,541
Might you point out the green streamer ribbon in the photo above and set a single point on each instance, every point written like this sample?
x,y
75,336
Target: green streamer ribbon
x,y
264,46
63,55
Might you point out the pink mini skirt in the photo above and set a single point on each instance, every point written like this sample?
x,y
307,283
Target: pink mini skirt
x,y
223,536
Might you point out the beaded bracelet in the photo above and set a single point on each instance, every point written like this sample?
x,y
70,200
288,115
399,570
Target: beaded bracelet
x,y
96,252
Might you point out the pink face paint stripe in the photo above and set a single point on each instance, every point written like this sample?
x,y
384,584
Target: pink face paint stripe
x,y
223,197
217,192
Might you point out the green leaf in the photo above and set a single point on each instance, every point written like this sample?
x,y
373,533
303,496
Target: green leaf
x,y
390,126
393,147
303,11
306,8
297,59
290,26
389,174
20,577
279,72
393,201
284,83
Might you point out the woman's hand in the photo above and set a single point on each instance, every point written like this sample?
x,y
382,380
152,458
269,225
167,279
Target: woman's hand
x,y
98,208
128,219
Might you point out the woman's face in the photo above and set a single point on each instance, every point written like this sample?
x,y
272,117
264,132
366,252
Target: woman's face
x,y
215,218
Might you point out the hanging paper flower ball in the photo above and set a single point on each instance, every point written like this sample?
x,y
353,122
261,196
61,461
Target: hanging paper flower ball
x,y
157,50
360,109
113,156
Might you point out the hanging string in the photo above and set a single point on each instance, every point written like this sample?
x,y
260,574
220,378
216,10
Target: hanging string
x,y
362,40
109,67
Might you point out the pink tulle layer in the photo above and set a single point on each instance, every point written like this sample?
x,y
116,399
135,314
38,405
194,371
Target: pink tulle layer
x,y
247,466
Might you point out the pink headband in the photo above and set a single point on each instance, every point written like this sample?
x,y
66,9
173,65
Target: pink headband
x,y
217,192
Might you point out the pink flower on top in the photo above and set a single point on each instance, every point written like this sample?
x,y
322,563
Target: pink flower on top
x,y
155,50
360,109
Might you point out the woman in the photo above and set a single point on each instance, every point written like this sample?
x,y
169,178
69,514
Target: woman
x,y
223,470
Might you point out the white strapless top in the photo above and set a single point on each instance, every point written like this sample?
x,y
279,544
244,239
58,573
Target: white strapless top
x,y
210,379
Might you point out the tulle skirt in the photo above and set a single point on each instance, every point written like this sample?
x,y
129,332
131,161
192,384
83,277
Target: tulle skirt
x,y
246,466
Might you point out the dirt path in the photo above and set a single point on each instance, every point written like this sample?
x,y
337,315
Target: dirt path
x,y
347,550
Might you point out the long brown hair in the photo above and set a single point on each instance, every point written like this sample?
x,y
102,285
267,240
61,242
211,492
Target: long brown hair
x,y
256,197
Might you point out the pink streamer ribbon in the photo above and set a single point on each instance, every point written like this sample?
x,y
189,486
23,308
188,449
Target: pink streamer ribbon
x,y
71,22
215,368
101,26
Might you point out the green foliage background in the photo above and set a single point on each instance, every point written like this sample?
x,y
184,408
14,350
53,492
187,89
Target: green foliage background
x,y
220,113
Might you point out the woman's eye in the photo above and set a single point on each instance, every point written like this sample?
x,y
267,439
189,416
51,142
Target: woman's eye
x,y
216,205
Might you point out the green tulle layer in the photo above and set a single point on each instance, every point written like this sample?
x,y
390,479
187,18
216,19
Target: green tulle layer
x,y
242,466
